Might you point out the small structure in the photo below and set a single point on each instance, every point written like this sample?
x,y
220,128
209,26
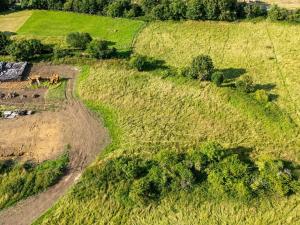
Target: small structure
x,y
12,71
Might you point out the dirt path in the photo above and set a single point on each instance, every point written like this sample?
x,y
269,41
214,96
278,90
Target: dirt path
x,y
87,137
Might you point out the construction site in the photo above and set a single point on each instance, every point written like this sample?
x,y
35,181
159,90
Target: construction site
x,y
34,127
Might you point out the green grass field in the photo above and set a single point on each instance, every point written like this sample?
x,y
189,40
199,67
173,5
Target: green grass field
x,y
56,25
146,112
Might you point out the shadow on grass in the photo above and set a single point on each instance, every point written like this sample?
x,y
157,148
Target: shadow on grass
x,y
232,73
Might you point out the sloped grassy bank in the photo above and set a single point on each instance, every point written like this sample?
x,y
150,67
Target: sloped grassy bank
x,y
142,127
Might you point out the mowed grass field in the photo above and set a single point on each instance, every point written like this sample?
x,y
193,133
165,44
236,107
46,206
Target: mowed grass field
x,y
53,26
13,21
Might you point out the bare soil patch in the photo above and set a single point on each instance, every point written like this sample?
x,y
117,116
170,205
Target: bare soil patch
x,y
43,136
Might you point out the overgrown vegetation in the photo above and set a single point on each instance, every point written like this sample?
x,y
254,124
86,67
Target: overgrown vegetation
x,y
226,174
21,180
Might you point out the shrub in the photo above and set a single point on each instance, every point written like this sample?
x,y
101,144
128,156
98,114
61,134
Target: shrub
x,y
78,40
59,53
4,42
217,78
274,177
118,8
254,10
262,96
161,11
99,49
178,9
212,151
139,62
230,178
276,13
25,49
202,68
135,11
245,84
148,5
4,5
196,10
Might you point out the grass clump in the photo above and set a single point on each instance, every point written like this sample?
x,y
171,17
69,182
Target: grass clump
x,y
57,92
19,181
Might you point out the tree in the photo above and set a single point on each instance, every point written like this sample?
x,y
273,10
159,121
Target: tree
x,y
78,40
202,68
25,49
4,42
4,5
276,13
178,9
118,8
99,49
196,10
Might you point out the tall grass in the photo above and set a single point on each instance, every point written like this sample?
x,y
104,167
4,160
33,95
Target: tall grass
x,y
19,181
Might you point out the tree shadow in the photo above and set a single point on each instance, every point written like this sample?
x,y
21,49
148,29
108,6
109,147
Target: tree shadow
x,y
266,87
232,73
123,54
155,64
9,33
242,152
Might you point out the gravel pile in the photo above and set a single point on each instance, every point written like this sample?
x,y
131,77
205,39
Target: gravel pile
x,y
12,71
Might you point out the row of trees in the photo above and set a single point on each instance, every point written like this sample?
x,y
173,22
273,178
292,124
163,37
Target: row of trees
x,y
157,9
222,173
24,50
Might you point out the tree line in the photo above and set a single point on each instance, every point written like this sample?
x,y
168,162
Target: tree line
x,y
225,10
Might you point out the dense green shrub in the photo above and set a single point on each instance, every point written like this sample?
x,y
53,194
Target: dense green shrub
x,y
4,42
230,178
217,78
196,10
177,9
276,13
26,49
100,49
201,68
148,5
21,181
254,10
245,84
262,96
225,173
118,8
59,53
275,177
139,62
78,40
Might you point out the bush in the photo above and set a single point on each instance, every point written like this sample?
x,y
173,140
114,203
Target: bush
x,y
230,178
245,84
148,5
139,62
118,8
78,40
59,53
262,96
276,13
161,11
212,151
275,177
4,42
217,78
254,10
99,49
135,11
178,9
202,68
196,10
25,49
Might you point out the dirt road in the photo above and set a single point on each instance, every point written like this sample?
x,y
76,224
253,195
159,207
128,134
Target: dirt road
x,y
87,137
